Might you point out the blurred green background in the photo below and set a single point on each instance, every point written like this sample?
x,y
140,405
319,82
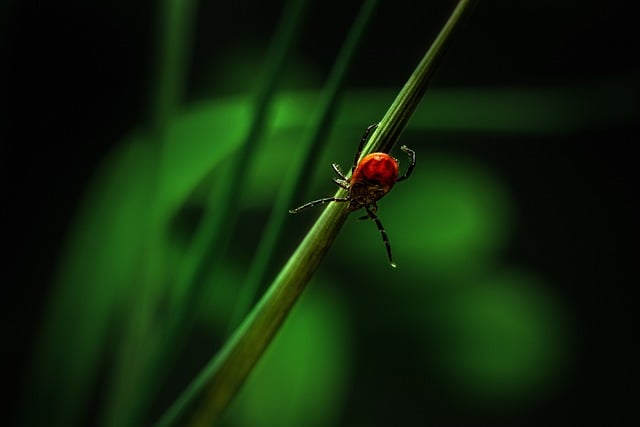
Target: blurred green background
x,y
510,302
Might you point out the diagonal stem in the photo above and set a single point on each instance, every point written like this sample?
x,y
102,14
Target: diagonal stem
x,y
293,186
218,382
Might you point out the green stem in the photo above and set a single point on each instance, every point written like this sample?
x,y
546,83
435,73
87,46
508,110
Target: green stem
x,y
214,232
204,252
398,115
209,394
293,187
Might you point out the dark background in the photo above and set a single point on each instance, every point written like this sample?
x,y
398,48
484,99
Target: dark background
x,y
77,80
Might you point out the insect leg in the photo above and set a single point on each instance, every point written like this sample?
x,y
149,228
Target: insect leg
x,y
373,207
318,202
337,170
341,183
385,239
412,156
363,141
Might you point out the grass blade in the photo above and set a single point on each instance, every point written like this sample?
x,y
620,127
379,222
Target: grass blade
x,y
293,186
214,231
215,386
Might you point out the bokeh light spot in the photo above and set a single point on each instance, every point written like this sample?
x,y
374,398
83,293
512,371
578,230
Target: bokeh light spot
x,y
302,378
501,339
447,221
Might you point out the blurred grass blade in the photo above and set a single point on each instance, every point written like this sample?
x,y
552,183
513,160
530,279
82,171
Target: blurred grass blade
x,y
172,55
109,258
214,231
133,379
218,382
293,186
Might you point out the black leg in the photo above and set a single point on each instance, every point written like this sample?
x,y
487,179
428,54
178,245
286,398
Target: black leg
x,y
385,239
363,141
341,183
412,157
336,169
373,207
318,202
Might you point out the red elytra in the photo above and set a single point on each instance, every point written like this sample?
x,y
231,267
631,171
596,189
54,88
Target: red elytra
x,y
371,178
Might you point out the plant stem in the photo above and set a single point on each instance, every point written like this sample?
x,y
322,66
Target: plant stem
x,y
212,390
294,185
402,108
214,232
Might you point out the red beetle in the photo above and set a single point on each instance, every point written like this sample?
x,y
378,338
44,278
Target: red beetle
x,y
371,178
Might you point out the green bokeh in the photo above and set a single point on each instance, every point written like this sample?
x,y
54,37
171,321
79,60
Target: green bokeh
x,y
303,378
134,112
501,340
448,222
448,226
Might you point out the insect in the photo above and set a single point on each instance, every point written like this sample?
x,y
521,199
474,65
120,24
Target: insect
x,y
371,178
